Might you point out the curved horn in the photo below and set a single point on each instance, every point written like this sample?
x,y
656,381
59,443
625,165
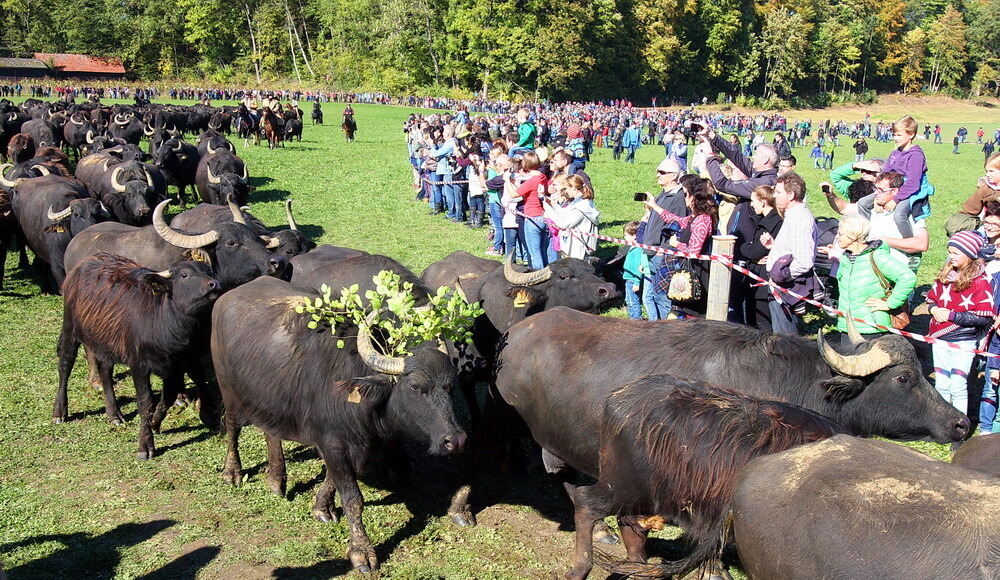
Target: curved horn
x,y
245,174
235,209
525,278
211,178
174,237
178,148
288,215
42,169
107,164
12,117
211,150
164,274
90,137
3,178
270,242
149,177
852,331
858,365
58,217
50,113
114,180
148,130
389,365
72,119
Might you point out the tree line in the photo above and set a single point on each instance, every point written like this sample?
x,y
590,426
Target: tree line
x,y
595,49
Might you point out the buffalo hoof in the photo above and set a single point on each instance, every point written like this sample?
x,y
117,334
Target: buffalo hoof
x,y
363,559
464,520
117,421
606,537
59,420
327,516
578,573
144,454
277,486
232,476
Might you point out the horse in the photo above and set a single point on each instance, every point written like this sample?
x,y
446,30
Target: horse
x,y
269,126
349,126
247,126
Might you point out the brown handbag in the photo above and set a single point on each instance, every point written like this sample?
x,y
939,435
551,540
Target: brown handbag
x,y
901,316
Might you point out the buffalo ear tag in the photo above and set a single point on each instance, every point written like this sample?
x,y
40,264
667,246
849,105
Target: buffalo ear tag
x,y
521,299
355,396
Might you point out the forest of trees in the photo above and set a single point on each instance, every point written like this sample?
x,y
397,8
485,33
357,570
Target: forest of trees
x,y
560,49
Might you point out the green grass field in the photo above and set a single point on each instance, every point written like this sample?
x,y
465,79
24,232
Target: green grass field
x,y
74,502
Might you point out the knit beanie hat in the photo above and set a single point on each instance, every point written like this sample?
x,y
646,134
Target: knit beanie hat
x,y
968,242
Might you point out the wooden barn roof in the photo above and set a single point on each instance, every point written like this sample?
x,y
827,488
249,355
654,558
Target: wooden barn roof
x,y
81,63
22,63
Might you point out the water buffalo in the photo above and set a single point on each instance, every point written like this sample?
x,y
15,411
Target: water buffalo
x,y
670,451
10,125
293,130
455,266
128,127
130,190
304,265
981,453
178,161
41,132
126,314
290,381
50,211
875,389
78,133
317,113
236,253
211,141
221,175
21,147
857,508
287,243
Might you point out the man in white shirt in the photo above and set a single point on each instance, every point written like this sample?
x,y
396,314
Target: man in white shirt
x,y
794,247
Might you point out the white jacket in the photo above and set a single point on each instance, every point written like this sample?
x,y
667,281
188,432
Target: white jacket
x,y
581,215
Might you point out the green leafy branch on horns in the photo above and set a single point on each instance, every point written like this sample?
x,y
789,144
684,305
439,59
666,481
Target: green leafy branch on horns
x,y
446,316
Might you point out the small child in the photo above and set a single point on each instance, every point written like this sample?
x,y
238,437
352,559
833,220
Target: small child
x,y
962,309
635,268
908,160
987,190
816,154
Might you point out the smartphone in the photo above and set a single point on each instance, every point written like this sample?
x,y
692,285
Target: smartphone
x,y
826,188
639,196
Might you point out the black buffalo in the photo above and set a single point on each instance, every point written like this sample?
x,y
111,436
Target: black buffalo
x,y
317,114
875,389
290,381
178,161
304,265
670,451
857,508
293,129
128,127
41,132
78,133
50,211
236,253
211,141
130,190
981,453
126,314
221,175
21,148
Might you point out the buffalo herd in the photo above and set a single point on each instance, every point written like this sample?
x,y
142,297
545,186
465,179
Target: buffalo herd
x,y
744,439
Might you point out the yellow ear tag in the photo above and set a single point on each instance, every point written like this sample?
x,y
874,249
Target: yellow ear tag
x,y
199,255
59,229
355,396
521,299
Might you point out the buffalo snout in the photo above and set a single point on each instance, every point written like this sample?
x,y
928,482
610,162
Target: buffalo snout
x,y
453,443
608,292
276,265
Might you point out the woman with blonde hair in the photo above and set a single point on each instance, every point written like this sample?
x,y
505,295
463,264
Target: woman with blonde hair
x,y
579,214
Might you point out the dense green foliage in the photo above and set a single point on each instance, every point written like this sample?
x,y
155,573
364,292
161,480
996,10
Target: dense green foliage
x,y
582,50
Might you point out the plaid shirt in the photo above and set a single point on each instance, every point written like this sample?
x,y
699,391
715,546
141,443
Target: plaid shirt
x,y
797,237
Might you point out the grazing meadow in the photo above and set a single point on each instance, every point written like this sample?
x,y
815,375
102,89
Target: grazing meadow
x,y
75,503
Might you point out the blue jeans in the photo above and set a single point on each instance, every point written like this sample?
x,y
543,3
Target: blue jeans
x,y
630,156
477,203
438,190
633,302
988,405
512,243
951,373
782,319
536,242
655,300
496,217
450,199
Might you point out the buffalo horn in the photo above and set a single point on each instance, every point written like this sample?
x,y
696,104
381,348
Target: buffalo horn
x,y
174,237
525,278
235,209
390,365
50,113
270,242
288,215
72,119
107,163
90,137
149,177
211,150
858,365
852,331
3,178
148,130
12,117
211,178
120,188
164,274
120,120
178,147
58,217
42,169
245,175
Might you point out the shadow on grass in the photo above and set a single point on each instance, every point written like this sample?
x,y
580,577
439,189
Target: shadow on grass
x,y
204,436
185,566
84,555
259,181
328,569
261,196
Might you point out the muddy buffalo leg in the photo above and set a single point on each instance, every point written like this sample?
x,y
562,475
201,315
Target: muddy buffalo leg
x,y
277,478
359,547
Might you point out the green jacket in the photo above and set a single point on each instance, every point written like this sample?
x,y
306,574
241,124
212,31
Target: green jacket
x,y
857,282
841,178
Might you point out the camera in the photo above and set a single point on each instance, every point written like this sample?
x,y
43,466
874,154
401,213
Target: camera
x,y
826,188
639,196
696,127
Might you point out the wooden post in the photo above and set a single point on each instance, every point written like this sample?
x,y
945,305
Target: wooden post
x,y
719,277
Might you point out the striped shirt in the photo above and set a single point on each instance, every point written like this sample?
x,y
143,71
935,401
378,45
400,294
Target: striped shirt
x,y
796,237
